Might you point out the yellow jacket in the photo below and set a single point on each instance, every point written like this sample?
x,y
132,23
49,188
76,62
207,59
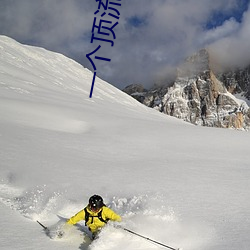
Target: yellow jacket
x,y
94,223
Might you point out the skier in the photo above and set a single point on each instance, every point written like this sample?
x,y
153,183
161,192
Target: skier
x,y
95,214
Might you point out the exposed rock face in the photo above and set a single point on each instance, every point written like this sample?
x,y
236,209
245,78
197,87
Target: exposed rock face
x,y
237,81
137,91
134,88
199,97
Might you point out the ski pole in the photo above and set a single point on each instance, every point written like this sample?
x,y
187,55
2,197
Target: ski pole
x,y
45,228
146,238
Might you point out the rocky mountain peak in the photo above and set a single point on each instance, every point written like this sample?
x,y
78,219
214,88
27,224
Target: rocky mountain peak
x,y
196,64
202,97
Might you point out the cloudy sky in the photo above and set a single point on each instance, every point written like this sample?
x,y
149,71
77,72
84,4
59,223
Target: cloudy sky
x,y
151,37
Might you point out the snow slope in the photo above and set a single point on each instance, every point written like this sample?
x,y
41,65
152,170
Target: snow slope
x,y
179,184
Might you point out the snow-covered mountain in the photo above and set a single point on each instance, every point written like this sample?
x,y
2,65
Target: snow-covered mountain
x,y
201,95
182,185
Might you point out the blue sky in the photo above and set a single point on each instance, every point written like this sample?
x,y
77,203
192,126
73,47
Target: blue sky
x,y
218,17
152,36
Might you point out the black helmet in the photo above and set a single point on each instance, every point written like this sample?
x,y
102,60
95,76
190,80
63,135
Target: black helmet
x,y
96,202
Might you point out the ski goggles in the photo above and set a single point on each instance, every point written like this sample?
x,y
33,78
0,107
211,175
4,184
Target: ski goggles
x,y
94,208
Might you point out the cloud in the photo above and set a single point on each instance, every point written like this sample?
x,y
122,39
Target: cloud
x,y
151,37
233,49
50,22
228,28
